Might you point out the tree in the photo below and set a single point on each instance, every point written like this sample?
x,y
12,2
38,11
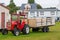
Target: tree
x,y
33,1
39,7
12,7
30,1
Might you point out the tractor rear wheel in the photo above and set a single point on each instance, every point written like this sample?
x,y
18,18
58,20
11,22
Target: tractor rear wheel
x,y
26,29
4,31
16,32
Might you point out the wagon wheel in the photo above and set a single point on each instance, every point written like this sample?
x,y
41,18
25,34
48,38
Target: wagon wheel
x,y
45,29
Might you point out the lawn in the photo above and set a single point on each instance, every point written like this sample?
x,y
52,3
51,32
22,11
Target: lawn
x,y
54,34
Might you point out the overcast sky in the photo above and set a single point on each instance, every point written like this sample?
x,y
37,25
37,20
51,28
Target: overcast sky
x,y
43,3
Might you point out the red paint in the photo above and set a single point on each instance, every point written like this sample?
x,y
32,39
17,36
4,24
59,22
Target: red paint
x,y
19,26
17,23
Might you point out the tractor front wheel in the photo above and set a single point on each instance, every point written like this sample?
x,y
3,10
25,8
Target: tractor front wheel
x,y
16,32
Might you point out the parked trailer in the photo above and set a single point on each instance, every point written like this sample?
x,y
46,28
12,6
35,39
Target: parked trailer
x,y
38,19
42,23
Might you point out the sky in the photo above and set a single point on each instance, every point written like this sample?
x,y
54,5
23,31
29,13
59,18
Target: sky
x,y
43,3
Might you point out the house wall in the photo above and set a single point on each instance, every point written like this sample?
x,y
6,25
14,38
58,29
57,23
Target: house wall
x,y
50,14
42,14
58,15
7,15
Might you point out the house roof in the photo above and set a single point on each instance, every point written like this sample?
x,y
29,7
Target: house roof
x,y
44,9
4,6
58,10
33,6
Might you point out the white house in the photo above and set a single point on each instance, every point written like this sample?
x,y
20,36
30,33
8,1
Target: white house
x,y
43,12
4,16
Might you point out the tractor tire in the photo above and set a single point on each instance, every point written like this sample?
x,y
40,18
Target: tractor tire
x,y
26,29
16,32
35,29
4,31
45,29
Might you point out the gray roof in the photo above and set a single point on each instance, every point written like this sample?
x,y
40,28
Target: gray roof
x,y
44,9
22,6
33,6
58,10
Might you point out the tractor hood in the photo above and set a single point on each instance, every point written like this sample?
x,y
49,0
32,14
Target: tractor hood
x,y
14,22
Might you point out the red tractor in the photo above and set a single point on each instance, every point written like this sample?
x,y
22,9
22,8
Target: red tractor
x,y
17,25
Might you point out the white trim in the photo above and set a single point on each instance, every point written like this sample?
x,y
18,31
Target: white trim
x,y
0,20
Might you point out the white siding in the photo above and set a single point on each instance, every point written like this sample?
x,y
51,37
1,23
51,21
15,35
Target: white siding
x,y
0,20
2,9
40,14
58,14
32,15
47,14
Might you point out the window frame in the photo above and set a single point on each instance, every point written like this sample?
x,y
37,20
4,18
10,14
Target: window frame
x,y
52,12
41,12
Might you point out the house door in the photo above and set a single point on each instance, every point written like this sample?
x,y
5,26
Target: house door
x,y
2,20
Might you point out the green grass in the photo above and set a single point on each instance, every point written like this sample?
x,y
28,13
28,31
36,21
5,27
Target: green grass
x,y
54,34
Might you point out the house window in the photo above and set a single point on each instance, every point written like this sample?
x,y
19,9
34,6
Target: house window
x,y
41,12
52,13
32,13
